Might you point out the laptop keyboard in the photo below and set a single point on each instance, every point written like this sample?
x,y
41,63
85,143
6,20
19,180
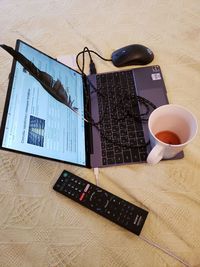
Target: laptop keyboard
x,y
122,137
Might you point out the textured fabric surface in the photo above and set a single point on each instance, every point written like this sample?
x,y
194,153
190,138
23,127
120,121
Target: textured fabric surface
x,y
39,228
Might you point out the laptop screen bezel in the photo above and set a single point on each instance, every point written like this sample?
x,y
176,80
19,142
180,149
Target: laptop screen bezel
x,y
6,107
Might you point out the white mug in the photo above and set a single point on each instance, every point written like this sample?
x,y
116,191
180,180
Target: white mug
x,y
173,119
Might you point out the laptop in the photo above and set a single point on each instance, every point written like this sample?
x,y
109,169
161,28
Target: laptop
x,y
83,133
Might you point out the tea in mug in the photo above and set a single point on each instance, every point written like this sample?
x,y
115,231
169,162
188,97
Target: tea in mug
x,y
168,137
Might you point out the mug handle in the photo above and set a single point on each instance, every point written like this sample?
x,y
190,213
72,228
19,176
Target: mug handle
x,y
156,154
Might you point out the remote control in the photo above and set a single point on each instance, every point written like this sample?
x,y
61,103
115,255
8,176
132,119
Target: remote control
x,y
101,201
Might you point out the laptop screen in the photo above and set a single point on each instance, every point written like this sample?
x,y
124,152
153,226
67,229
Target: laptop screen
x,y
38,124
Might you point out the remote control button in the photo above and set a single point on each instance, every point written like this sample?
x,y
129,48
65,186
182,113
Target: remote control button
x,y
99,199
86,188
57,186
82,196
65,174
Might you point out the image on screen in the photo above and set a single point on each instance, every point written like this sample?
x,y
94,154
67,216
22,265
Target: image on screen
x,y
36,122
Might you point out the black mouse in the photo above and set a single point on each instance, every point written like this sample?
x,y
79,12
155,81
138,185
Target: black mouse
x,y
134,54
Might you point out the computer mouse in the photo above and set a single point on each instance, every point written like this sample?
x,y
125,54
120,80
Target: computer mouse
x,y
134,54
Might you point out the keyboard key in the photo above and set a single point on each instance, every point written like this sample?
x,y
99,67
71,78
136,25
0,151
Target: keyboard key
x,y
104,161
138,126
131,127
110,154
117,149
133,142
127,156
140,134
123,124
119,158
107,126
116,136
115,128
124,133
124,140
109,146
143,156
142,149
111,161
135,155
141,141
131,134
104,153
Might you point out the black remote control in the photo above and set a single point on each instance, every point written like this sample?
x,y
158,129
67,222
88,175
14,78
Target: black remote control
x,y
101,201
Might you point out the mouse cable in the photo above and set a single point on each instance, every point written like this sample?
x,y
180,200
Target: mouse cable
x,y
146,103
92,65
166,251
137,99
140,99
87,50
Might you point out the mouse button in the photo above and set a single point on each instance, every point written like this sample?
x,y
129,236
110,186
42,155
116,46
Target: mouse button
x,y
122,51
118,53
117,59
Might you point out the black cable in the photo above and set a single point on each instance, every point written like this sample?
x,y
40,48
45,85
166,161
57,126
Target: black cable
x,y
105,59
91,51
138,99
